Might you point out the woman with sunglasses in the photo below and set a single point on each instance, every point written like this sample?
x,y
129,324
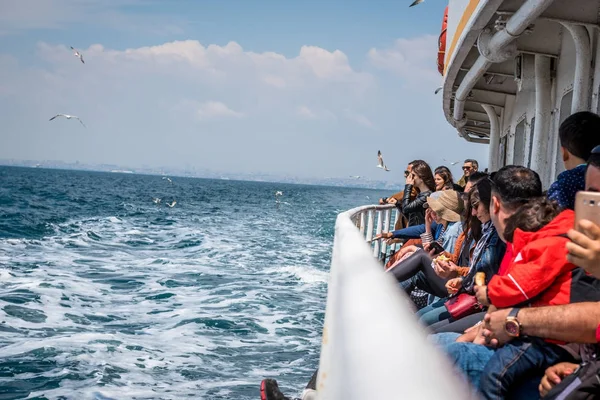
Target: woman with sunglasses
x,y
420,178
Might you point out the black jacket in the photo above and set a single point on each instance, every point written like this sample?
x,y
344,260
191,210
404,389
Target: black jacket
x,y
413,210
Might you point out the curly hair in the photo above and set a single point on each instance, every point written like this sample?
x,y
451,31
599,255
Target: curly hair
x,y
531,216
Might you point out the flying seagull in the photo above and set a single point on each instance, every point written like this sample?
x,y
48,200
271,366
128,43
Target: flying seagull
x,y
279,193
67,116
416,2
438,90
355,176
453,162
167,178
77,54
156,200
172,204
380,163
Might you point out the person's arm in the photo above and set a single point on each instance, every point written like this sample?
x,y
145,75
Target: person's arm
x,y
412,232
408,206
572,323
537,270
584,248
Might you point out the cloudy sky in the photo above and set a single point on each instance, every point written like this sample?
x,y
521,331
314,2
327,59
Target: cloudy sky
x,y
311,88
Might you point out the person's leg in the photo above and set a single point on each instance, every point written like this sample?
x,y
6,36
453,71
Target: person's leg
x,y
469,358
458,326
430,308
409,267
437,313
429,281
515,361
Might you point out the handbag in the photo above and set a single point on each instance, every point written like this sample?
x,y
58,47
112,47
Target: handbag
x,y
463,305
582,384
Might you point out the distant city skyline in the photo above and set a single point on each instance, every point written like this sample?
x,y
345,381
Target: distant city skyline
x,y
306,89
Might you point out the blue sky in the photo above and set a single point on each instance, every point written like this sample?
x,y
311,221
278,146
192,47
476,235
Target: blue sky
x,y
307,88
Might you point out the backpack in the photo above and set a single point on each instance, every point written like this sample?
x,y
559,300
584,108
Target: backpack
x,y
583,384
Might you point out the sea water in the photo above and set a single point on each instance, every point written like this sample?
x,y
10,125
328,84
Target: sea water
x,y
106,294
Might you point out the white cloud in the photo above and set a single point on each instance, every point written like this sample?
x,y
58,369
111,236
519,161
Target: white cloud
x,y
306,112
414,59
359,119
216,109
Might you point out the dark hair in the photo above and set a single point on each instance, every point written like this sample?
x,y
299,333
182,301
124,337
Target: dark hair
x,y
446,175
471,224
413,162
580,133
476,177
423,171
594,160
531,217
482,193
474,162
515,185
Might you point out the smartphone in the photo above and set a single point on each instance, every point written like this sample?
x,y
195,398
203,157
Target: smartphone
x,y
436,246
587,206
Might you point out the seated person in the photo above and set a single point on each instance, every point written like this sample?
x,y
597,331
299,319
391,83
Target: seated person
x,y
486,256
578,135
571,323
445,211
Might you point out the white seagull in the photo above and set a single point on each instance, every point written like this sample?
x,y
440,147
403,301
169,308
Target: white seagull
x,y
453,162
355,176
172,204
156,200
279,193
438,90
67,116
416,2
380,163
77,54
167,178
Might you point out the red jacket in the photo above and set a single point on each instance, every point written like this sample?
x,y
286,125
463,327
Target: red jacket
x,y
539,273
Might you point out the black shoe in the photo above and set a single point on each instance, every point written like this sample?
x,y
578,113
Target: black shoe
x,y
269,390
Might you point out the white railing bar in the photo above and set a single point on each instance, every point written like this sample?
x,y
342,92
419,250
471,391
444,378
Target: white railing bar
x,y
373,346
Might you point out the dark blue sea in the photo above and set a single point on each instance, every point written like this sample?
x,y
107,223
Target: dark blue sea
x,y
104,292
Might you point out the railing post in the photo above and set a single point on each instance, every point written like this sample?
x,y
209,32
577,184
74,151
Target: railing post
x,y
386,228
377,232
362,222
370,225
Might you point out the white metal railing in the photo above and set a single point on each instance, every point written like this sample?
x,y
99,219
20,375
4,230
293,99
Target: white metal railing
x,y
373,347
373,220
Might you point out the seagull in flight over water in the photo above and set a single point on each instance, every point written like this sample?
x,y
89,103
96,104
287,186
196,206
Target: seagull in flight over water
x,y
77,54
67,116
167,178
416,2
156,200
380,163
172,204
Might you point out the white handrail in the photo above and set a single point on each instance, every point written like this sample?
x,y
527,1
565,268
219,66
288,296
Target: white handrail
x,y
372,346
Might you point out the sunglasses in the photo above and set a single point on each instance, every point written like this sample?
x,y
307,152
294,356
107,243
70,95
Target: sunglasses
x,y
466,168
596,150
406,173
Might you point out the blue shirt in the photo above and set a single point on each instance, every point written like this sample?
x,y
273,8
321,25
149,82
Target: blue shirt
x,y
567,185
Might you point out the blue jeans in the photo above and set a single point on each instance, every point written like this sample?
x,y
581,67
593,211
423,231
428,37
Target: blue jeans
x,y
516,360
479,363
435,312
470,358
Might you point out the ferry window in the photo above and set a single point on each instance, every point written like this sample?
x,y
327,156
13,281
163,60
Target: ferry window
x,y
531,142
519,149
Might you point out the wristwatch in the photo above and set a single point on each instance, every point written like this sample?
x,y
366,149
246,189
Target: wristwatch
x,y
512,326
